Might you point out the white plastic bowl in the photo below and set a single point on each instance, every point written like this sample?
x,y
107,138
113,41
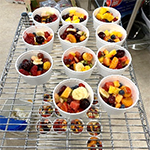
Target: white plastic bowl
x,y
78,9
46,47
97,22
113,27
125,81
103,70
53,25
71,82
65,44
34,80
78,74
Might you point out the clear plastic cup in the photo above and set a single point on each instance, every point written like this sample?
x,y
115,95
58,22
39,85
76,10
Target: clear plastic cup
x,y
103,70
125,81
78,74
77,9
110,27
34,80
53,25
97,22
65,44
72,82
47,46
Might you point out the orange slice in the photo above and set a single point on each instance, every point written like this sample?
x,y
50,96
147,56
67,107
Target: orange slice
x,y
71,38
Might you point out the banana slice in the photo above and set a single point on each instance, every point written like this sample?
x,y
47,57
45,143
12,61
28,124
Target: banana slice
x,y
79,66
80,93
103,92
40,33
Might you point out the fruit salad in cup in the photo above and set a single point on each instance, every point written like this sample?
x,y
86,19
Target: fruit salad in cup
x,y
115,59
93,112
37,38
46,110
79,61
74,16
73,35
35,66
72,99
105,15
116,94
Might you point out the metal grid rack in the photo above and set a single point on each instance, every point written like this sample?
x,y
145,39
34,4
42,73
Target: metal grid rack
x,y
129,131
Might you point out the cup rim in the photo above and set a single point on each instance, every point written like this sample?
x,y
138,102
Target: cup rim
x,y
38,26
23,56
114,108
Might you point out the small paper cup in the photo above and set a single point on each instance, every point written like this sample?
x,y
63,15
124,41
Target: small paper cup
x,y
65,44
125,81
97,22
72,82
77,9
110,27
53,25
34,80
103,70
47,46
78,74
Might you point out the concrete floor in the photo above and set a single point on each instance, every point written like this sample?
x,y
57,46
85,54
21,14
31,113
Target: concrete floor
x,y
10,15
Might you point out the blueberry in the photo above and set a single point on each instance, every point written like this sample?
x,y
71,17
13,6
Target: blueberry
x,y
120,85
121,92
34,34
74,87
113,36
110,40
122,106
81,19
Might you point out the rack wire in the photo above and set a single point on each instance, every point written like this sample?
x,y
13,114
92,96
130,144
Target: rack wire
x,y
129,131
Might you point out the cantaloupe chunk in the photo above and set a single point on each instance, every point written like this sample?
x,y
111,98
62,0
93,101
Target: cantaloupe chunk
x,y
66,92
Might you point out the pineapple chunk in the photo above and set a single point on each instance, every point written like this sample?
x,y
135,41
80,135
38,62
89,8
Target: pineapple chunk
x,y
114,63
111,89
118,105
111,53
116,83
118,98
66,92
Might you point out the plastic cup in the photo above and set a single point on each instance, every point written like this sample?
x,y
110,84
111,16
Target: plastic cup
x,y
34,80
65,44
103,70
53,25
78,74
125,81
47,46
72,82
113,27
77,9
97,22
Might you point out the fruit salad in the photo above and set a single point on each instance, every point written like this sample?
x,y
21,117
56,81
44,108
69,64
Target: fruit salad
x,y
72,99
93,112
35,66
46,17
37,38
60,125
74,17
94,128
79,62
73,35
115,59
44,126
110,36
95,143
46,110
105,15
115,94
76,126
47,97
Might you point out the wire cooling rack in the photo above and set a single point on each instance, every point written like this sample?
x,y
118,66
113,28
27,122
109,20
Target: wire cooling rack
x,y
129,131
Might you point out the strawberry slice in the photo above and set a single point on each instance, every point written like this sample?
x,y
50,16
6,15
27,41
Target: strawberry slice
x,y
46,34
64,107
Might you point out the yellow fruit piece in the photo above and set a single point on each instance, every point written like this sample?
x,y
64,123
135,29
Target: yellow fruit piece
x,y
79,14
116,83
106,61
87,56
118,105
99,16
119,34
72,53
118,98
82,38
108,16
107,33
46,65
111,53
111,89
68,19
103,92
114,63
76,21
66,92
72,11
117,40
101,59
75,18
71,38
116,90
127,101
103,10
85,68
105,51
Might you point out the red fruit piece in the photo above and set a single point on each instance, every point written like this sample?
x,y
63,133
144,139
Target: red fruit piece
x,y
29,38
74,105
107,85
39,72
123,59
99,54
46,34
54,17
34,70
81,84
64,107
24,72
